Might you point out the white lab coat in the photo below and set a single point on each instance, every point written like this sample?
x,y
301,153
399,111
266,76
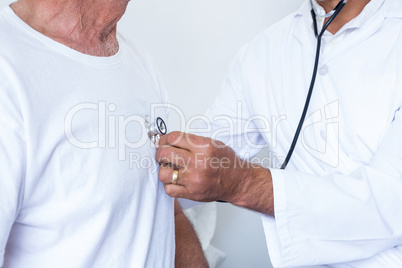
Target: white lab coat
x,y
339,201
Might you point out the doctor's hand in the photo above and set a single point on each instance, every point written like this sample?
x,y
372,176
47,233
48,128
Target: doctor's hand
x,y
203,169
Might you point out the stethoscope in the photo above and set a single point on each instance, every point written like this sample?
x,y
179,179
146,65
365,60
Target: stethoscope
x,y
332,15
157,128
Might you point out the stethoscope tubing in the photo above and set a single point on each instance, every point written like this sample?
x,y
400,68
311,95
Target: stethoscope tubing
x,y
336,10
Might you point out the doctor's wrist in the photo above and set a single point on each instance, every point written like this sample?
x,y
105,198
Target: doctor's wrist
x,y
255,190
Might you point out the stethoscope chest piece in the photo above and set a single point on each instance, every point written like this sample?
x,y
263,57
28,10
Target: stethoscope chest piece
x,y
155,128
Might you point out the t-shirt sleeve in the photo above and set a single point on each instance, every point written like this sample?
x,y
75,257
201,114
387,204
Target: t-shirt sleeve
x,y
340,218
12,158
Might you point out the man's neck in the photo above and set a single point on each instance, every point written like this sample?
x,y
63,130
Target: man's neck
x,y
351,10
88,26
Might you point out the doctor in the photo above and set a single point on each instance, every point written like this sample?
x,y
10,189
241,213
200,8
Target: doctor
x,y
339,200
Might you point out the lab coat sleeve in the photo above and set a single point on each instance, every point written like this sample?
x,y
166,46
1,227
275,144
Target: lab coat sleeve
x,y
12,159
230,119
339,218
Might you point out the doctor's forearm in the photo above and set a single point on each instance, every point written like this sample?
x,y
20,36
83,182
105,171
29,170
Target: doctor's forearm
x,y
256,191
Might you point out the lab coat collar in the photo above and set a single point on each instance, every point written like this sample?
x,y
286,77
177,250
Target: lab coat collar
x,y
392,8
369,10
385,6
357,22
318,9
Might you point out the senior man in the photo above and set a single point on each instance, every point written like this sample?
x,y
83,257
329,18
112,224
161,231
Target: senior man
x,y
73,96
338,202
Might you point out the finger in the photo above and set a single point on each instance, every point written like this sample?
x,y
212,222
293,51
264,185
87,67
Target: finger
x,y
166,175
184,141
176,139
176,156
176,190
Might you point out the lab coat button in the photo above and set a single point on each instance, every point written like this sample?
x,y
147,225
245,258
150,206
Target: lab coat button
x,y
323,70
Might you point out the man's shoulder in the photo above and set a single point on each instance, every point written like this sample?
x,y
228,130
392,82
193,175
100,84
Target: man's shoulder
x,y
271,39
134,47
8,45
10,33
4,13
137,53
393,8
6,24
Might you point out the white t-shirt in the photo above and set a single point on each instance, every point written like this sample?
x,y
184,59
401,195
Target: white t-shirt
x,y
78,180
339,200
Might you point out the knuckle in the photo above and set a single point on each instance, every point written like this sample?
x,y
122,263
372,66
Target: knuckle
x,y
203,141
219,144
193,138
209,151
